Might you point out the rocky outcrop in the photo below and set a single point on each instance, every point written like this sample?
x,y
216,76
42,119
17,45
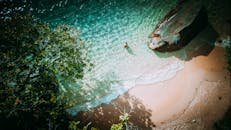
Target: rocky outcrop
x,y
179,26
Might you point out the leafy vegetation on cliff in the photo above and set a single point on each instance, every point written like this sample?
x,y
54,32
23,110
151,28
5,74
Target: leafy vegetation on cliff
x,y
123,122
35,61
228,55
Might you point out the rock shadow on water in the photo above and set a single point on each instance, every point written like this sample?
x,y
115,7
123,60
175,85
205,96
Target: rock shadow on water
x,y
105,115
202,44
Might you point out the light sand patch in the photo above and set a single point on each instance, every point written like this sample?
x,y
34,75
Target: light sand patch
x,y
200,93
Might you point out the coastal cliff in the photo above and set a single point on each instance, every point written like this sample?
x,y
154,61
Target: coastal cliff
x,y
179,26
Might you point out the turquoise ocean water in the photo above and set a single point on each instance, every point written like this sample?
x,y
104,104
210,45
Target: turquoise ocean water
x,y
106,25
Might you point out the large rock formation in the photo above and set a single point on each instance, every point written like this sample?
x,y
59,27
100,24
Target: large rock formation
x,y
179,26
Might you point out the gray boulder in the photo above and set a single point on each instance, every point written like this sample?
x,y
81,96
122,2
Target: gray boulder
x,y
179,26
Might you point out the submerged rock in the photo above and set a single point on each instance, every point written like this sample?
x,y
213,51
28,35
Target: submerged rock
x,y
179,26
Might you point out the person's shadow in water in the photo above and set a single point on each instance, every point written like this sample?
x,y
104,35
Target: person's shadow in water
x,y
128,48
202,44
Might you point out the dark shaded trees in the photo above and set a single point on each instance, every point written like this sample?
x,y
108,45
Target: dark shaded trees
x,y
34,60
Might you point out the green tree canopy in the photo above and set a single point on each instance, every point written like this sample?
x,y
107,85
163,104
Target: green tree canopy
x,y
35,61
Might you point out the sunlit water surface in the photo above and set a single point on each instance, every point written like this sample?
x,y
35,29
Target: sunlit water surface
x,y
106,25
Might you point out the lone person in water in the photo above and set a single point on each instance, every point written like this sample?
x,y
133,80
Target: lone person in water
x,y
126,45
129,50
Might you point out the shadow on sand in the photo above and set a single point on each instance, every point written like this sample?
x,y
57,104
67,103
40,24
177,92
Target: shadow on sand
x,y
105,115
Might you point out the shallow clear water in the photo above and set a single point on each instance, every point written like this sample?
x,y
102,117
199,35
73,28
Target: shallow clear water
x,y
106,26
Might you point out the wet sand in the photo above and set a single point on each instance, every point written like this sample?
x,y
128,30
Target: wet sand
x,y
194,99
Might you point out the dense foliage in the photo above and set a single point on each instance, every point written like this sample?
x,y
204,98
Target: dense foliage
x,y
35,60
228,55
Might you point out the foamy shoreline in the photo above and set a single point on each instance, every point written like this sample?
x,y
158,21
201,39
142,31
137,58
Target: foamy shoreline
x,y
194,99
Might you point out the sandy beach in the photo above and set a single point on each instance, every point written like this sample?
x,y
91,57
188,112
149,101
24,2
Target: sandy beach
x,y
199,93
194,99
